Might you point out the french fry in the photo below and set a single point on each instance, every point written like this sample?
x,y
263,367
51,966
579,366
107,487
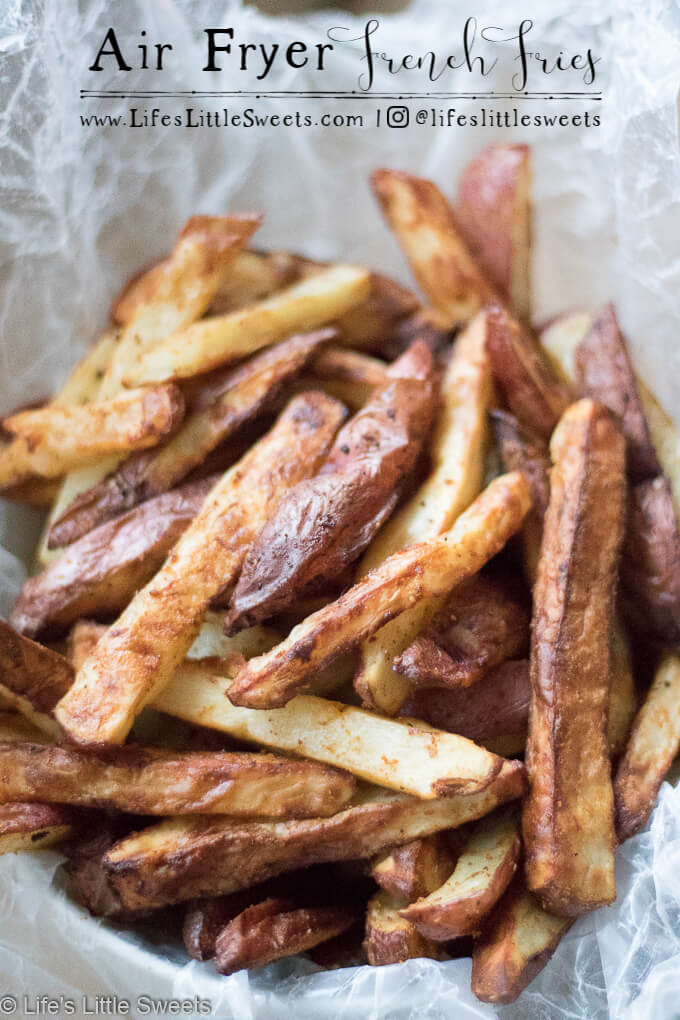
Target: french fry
x,y
653,743
223,405
371,324
137,657
517,941
424,570
390,937
521,451
149,781
222,339
421,761
569,815
650,566
457,453
494,713
357,488
37,492
481,876
82,385
343,365
415,869
494,213
32,679
484,622
523,374
666,439
276,928
183,858
622,696
206,918
33,826
100,573
603,371
55,439
425,227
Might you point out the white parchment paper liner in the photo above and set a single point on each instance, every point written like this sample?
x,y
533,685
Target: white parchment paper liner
x,y
83,207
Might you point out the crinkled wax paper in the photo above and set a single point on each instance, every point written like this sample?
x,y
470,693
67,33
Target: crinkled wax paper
x,y
82,208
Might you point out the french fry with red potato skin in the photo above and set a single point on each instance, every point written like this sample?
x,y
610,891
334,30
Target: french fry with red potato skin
x,y
53,440
604,372
517,941
650,566
521,451
494,213
523,374
568,822
224,402
138,655
653,743
32,678
206,918
223,339
416,868
33,826
151,781
424,570
425,227
276,928
357,488
494,713
371,324
483,623
457,455
390,937
100,573
181,859
84,866
482,874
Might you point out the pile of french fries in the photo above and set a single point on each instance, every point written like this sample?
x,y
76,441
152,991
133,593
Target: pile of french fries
x,y
358,611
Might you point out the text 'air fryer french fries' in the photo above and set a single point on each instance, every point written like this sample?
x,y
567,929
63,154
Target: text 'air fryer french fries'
x,y
569,814
147,781
457,455
425,226
225,401
187,857
424,570
136,658
53,440
517,941
653,743
279,853
494,213
222,339
483,871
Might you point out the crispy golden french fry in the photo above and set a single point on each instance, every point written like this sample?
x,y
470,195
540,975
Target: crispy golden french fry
x,y
55,439
149,781
82,385
33,826
425,227
222,339
569,815
223,405
276,928
457,453
494,213
138,655
523,374
653,743
182,858
100,573
390,937
483,622
603,371
481,876
425,570
518,940
32,678
182,290
493,713
417,868
400,754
